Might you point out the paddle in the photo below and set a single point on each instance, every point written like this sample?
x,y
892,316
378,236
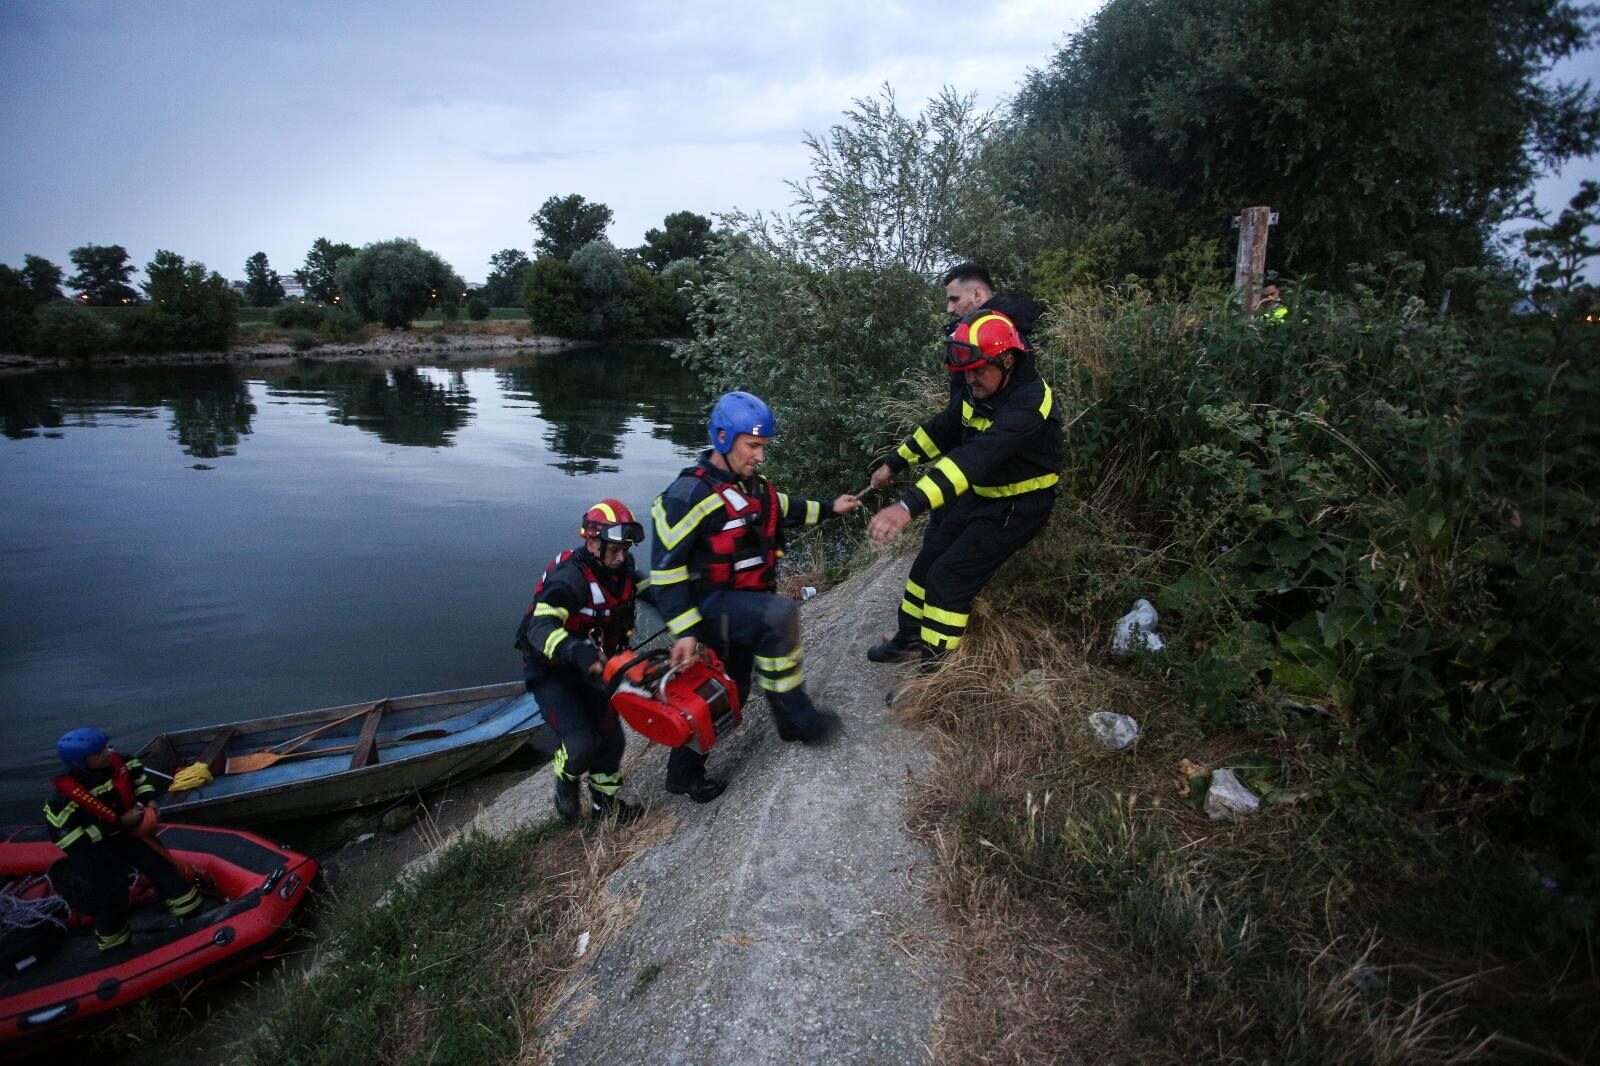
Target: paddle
x,y
234,769
260,760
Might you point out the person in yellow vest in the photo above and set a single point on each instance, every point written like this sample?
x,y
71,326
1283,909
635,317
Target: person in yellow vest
x,y
97,812
992,458
1272,308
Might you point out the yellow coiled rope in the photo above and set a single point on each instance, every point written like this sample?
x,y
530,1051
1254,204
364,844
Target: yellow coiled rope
x,y
195,775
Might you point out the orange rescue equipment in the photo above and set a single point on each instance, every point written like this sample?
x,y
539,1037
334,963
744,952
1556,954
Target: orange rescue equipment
x,y
695,705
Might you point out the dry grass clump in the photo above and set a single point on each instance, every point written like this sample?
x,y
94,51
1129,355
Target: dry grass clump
x,y
1101,916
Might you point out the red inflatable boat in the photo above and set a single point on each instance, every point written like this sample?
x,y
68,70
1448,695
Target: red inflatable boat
x,y
252,887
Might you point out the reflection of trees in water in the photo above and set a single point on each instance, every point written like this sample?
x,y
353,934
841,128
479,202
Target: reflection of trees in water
x,y
210,406
587,397
399,406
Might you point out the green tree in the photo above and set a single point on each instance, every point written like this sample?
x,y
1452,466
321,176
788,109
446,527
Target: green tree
x,y
261,285
553,298
190,309
507,269
1202,108
67,330
567,223
103,273
683,235
42,278
396,281
649,307
1560,250
602,273
322,262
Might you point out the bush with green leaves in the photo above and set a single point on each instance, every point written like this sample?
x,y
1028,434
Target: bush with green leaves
x,y
299,314
553,298
396,281
189,309
478,308
1369,507
65,330
341,325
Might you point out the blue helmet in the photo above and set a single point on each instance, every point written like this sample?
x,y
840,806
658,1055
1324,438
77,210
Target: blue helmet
x,y
79,744
736,413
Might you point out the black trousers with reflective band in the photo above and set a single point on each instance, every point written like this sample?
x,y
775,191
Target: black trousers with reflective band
x,y
591,733
95,879
964,546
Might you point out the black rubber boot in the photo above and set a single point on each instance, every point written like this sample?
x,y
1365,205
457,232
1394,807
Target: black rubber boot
x,y
894,650
826,724
602,806
701,789
567,797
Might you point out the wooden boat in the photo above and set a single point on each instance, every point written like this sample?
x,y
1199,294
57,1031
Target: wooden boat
x,y
56,978
312,762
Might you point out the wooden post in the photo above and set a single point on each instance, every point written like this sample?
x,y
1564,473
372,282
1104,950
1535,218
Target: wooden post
x,y
1252,261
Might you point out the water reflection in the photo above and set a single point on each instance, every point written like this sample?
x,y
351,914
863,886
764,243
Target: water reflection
x,y
210,407
405,405
587,398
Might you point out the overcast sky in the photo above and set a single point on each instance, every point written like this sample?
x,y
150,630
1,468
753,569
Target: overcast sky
x,y
217,130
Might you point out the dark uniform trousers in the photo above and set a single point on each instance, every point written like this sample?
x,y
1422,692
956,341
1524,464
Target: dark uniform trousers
x,y
93,878
591,734
964,545
747,630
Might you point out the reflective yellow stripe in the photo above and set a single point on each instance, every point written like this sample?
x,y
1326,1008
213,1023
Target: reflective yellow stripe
x,y
642,584
1017,488
912,609
935,639
187,903
94,833
905,452
605,784
553,641
934,494
925,442
783,504
605,509
1049,402
916,590
685,621
114,940
70,839
549,610
59,821
970,418
813,512
950,470
671,535
782,684
780,664
676,576
559,762
944,617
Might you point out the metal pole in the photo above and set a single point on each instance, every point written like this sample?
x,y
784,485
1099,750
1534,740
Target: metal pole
x,y
1252,261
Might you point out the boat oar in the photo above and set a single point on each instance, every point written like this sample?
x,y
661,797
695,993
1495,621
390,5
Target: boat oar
x,y
260,760
234,768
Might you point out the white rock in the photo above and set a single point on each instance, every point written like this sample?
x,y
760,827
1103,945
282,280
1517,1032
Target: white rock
x,y
1137,629
1114,731
1228,798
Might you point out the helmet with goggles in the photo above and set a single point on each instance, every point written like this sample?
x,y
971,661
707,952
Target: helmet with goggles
x,y
611,522
980,339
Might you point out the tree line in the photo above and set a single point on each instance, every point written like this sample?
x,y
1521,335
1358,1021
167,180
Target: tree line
x,y
578,285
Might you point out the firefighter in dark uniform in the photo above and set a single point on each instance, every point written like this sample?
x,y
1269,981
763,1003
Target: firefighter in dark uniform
x,y
719,532
582,614
994,458
96,807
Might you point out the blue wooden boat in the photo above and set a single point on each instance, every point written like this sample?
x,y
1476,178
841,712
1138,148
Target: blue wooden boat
x,y
312,762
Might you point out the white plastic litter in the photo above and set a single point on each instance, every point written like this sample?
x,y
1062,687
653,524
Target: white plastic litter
x,y
1228,798
808,591
1137,629
1114,731
583,943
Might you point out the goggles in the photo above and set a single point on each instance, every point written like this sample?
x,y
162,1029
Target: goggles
x,y
959,357
621,533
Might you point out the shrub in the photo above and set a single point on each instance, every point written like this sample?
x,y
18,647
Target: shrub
x,y
299,315
478,309
341,325
65,330
303,340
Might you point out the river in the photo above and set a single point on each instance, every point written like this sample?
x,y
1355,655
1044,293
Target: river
x,y
188,545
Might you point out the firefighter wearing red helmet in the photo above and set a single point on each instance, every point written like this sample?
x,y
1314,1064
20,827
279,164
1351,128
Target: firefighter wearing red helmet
x,y
990,462
719,532
582,613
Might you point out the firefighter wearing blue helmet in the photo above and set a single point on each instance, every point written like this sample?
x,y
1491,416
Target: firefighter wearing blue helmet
x,y
719,530
96,811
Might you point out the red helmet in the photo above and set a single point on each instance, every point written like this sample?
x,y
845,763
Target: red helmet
x,y
612,522
981,338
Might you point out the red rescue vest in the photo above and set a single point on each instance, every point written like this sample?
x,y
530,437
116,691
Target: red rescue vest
x,y
743,553
611,613
99,809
